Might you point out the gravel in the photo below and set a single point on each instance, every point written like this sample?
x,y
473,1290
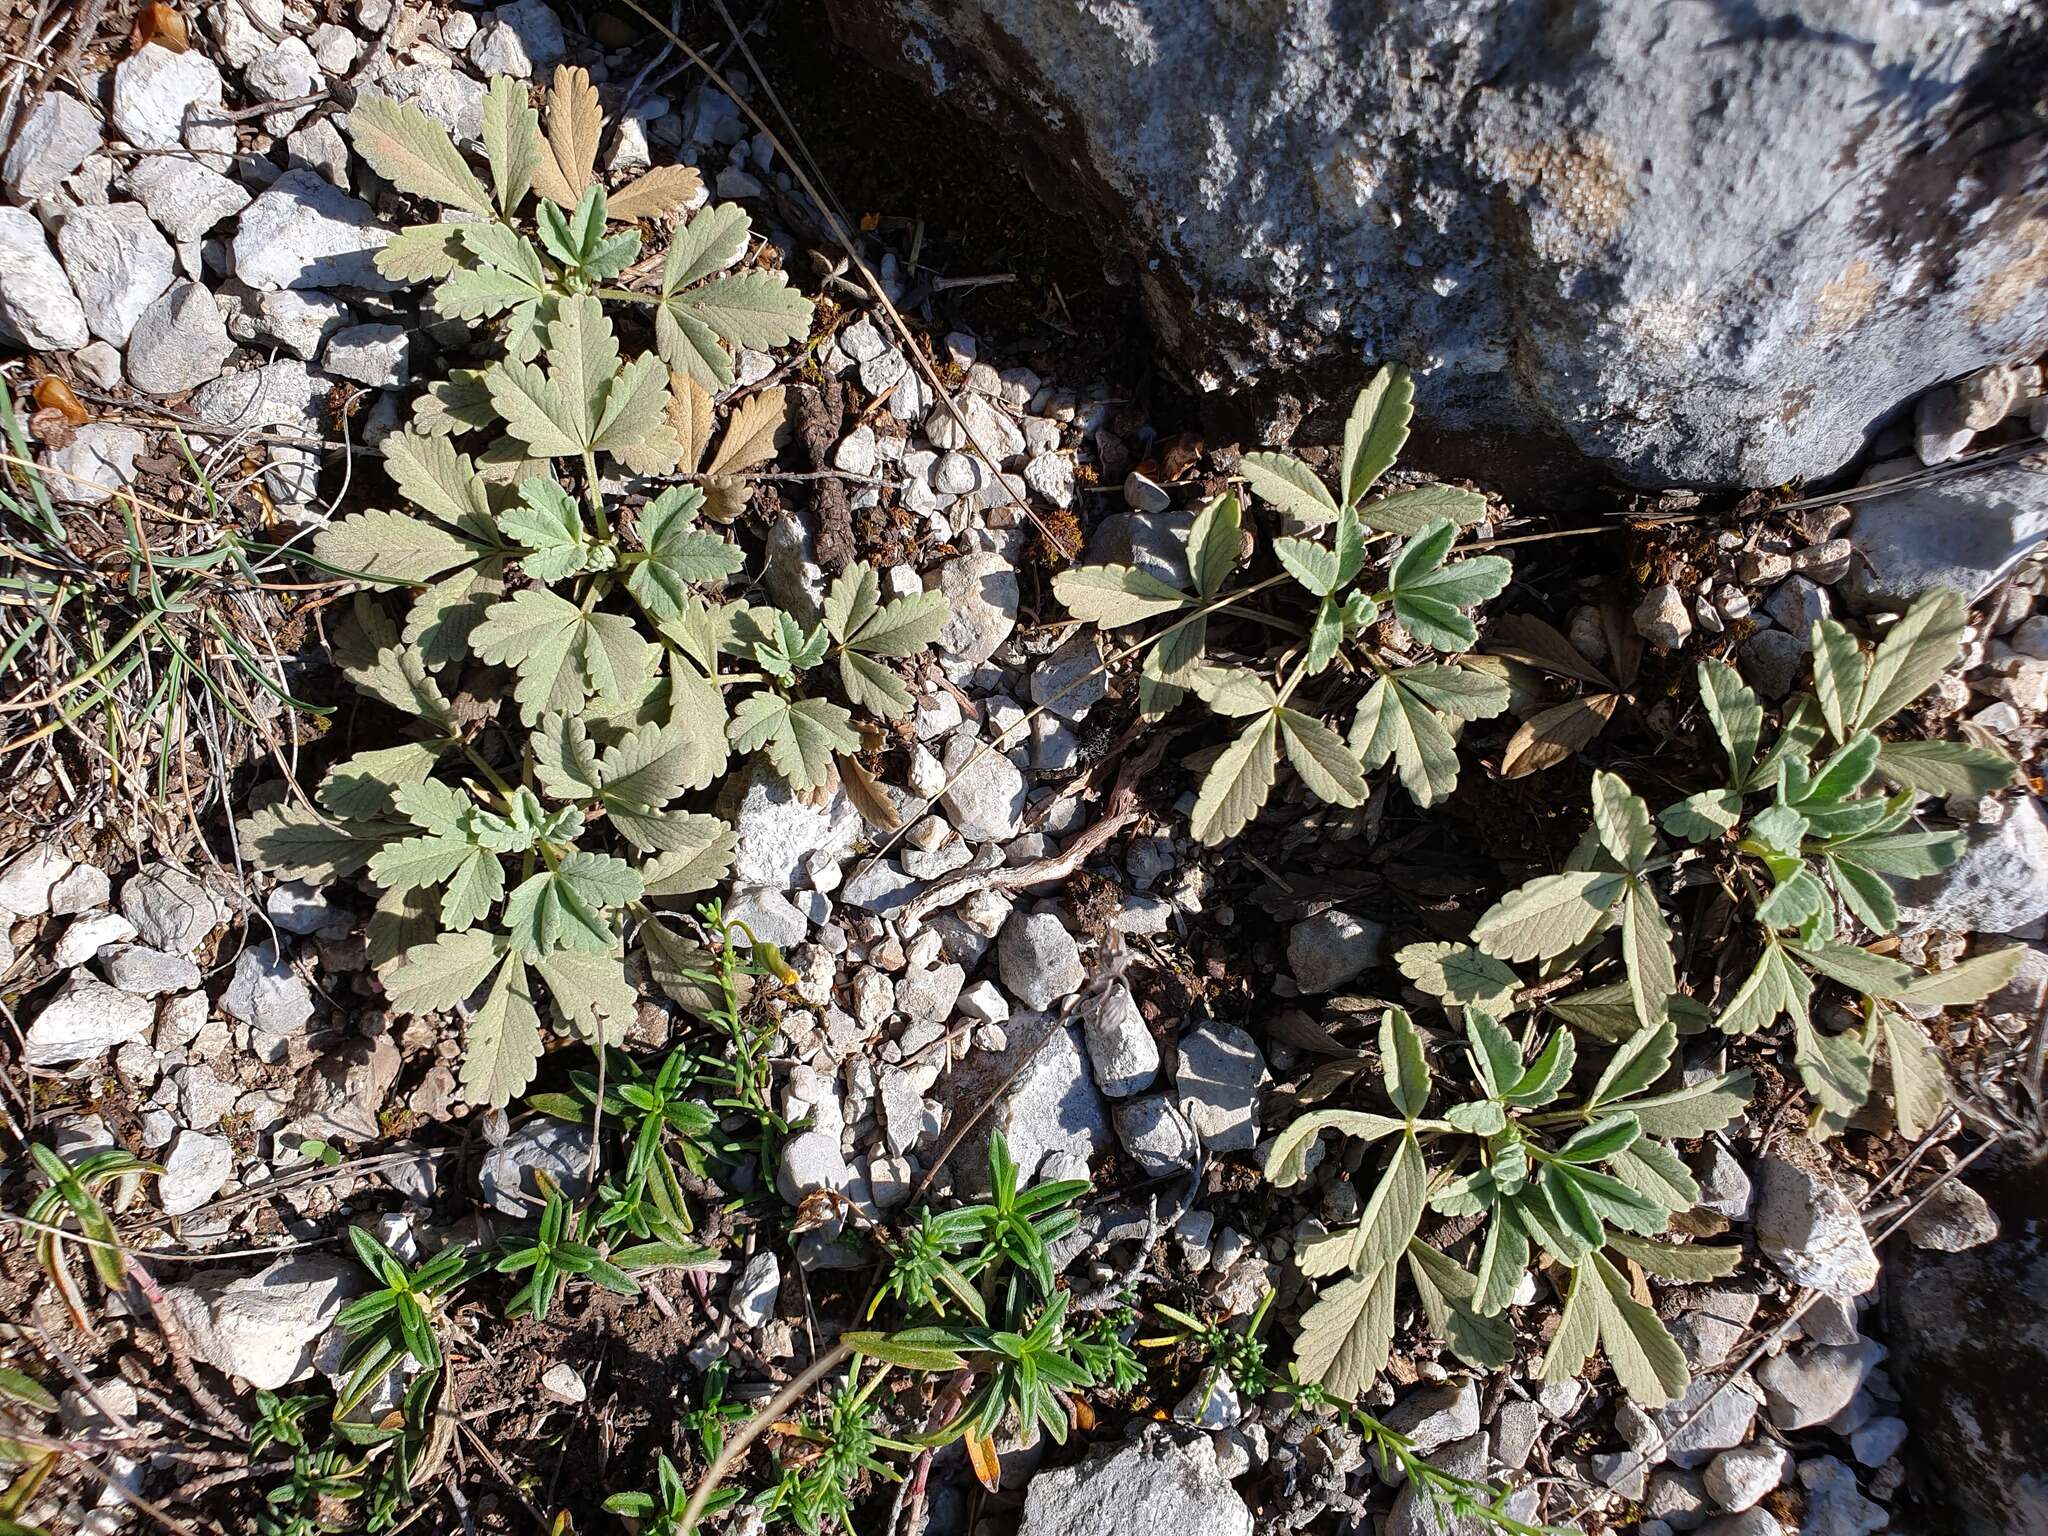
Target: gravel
x,y
1177,1487
153,90
752,1301
1156,1134
1803,1387
49,146
1125,1055
1809,1228
194,1170
304,232
1955,1218
97,464
982,588
118,263
508,1177
1329,949
985,792
267,994
184,197
377,355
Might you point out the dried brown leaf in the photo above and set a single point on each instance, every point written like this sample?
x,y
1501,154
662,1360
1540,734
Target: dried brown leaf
x,y
662,190
751,433
568,144
725,500
53,393
1547,739
160,24
1624,645
1525,638
690,413
868,796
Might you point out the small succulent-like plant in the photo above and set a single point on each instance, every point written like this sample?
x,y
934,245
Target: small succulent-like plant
x,y
1400,612
1586,1176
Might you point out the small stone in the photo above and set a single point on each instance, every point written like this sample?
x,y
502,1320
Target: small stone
x,y
1626,1472
84,1019
203,1097
335,49
148,972
1878,1441
1739,1477
29,882
86,937
1803,1387
519,39
1751,1522
267,994
508,1176
1662,617
1986,397
1039,960
1826,563
1053,1108
1810,1230
1724,1186
1797,605
179,342
1143,495
1156,1134
1772,659
1954,1218
776,830
1218,1079
265,1327
1710,1328
1515,1428
1125,1056
982,588
810,1160
1432,1417
1329,949
1939,432
97,464
118,264
153,91
1677,1498
1726,1409
985,793
1072,680
562,1383
304,232
856,452
37,306
1177,1487
752,1301
100,363
925,994
194,1170
47,148
283,73
1835,1506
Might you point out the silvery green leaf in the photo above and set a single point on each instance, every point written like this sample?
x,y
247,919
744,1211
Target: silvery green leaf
x,y
1835,1068
1115,595
511,141
414,153
590,993
1548,915
1919,1083
799,735
434,977
1460,975
1287,1156
1683,1263
1967,981
1736,713
1911,658
1237,783
1448,1295
1775,986
703,852
1320,757
563,654
1622,821
1945,767
1407,512
1403,1067
1345,1337
502,1047
1702,817
1375,430
564,907
1213,543
1290,485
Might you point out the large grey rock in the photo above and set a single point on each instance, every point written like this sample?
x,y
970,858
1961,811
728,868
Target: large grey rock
x,y
1219,1077
1039,960
1168,1484
183,196
155,89
1999,884
1809,1386
305,232
283,395
38,309
1693,242
508,1178
1969,1336
1960,531
52,144
265,1328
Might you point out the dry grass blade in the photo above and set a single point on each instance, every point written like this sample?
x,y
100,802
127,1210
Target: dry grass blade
x,y
1548,738
568,142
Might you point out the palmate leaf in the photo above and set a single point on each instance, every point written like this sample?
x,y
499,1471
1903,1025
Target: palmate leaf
x,y
677,555
799,735
1401,718
1601,1312
1237,783
363,784
856,617
584,402
391,549
563,907
548,524
442,483
702,851
563,655
747,309
1919,1083
1290,485
414,153
505,273
590,992
1429,597
435,976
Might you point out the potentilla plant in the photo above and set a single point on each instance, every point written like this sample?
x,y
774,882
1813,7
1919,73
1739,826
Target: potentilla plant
x,y
569,663
1386,597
